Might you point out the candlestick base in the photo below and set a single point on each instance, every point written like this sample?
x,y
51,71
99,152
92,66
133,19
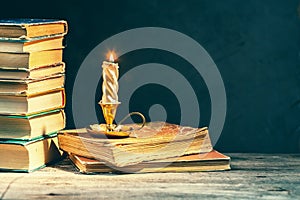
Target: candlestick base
x,y
111,130
101,131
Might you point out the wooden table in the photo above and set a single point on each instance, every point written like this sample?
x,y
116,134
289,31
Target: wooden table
x,y
253,176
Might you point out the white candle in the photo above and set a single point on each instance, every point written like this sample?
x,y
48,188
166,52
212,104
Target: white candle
x,y
110,84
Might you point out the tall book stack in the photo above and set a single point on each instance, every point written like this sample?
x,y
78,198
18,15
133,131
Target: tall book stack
x,y
32,95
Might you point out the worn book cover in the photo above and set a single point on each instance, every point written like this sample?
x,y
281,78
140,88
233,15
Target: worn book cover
x,y
32,28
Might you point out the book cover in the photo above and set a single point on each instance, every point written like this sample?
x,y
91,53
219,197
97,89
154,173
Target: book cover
x,y
23,22
12,141
32,28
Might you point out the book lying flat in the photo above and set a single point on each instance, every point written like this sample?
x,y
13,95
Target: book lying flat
x,y
32,126
30,87
32,74
212,161
27,105
30,60
157,140
31,28
27,156
30,45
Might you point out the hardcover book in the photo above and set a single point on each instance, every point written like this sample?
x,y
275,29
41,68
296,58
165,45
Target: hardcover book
x,y
30,45
32,126
27,156
30,60
157,140
30,87
33,74
31,28
212,161
27,105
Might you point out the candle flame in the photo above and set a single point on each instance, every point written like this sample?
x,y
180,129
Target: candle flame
x,y
111,58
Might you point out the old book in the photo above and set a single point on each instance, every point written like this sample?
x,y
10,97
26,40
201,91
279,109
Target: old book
x,y
32,126
212,161
27,156
37,73
30,45
31,28
30,60
157,140
30,87
26,105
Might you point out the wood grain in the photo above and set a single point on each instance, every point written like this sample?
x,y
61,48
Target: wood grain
x,y
253,176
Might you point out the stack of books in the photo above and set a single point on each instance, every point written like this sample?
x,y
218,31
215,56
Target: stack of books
x,y
157,147
32,95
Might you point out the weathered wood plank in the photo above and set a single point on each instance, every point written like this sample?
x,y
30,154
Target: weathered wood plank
x,y
253,176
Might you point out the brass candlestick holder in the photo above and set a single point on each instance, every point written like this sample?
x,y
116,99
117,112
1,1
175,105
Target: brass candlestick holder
x,y
112,130
109,112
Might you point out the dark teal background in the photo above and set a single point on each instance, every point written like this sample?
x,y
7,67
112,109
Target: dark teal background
x,y
255,44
